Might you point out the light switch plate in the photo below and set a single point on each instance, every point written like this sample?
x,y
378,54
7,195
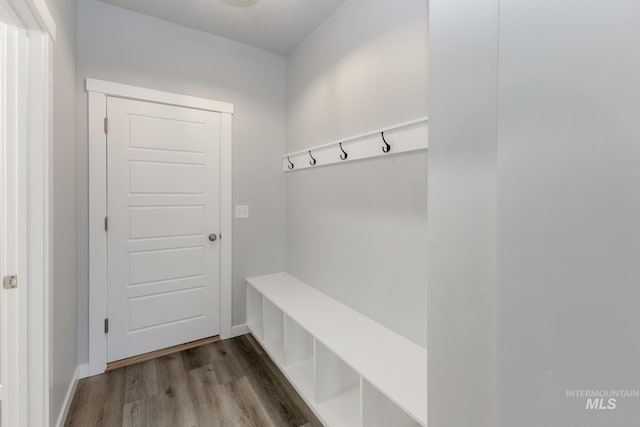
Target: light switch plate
x,y
242,211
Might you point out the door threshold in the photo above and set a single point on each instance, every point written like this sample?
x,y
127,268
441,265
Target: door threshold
x,y
159,353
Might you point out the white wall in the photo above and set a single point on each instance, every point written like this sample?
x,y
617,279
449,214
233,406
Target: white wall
x,y
64,287
569,210
358,232
463,54
122,46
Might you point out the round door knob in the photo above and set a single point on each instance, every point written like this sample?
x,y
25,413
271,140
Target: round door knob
x,y
213,237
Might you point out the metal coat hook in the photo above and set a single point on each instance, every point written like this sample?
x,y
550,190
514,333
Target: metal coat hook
x,y
291,165
344,154
386,147
313,161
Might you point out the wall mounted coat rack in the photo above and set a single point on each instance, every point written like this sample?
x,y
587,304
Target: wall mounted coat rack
x,y
400,138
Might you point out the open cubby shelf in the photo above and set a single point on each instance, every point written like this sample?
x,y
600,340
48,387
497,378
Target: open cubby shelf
x,y
379,411
350,370
302,375
299,357
337,389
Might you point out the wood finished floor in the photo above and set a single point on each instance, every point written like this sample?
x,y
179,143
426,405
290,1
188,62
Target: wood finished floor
x,y
230,383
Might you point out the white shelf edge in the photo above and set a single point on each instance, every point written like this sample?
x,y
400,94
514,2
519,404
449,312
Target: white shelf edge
x,y
402,138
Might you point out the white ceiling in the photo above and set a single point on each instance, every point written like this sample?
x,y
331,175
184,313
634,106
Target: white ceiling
x,y
275,25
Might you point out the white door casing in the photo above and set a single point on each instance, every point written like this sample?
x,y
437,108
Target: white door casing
x,y
25,213
163,186
99,296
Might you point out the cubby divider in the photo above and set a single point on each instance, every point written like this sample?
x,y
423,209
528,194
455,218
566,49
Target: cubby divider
x,y
273,324
299,361
337,389
379,411
298,343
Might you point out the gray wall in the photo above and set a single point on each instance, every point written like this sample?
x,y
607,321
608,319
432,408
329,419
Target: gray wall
x,y
64,308
569,210
126,47
358,231
534,211
463,52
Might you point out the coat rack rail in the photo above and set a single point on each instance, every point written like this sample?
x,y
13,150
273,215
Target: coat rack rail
x,y
400,138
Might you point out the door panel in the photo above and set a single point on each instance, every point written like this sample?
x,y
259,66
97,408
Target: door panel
x,y
166,221
166,264
160,134
166,178
163,202
153,310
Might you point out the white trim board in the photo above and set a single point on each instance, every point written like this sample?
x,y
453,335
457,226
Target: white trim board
x,y
143,94
226,227
32,14
25,209
25,234
25,219
98,91
41,11
402,138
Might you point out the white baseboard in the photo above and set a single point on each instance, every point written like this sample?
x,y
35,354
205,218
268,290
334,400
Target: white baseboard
x,y
69,397
236,331
83,371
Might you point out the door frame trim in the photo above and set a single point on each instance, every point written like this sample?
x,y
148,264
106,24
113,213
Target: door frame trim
x,y
26,239
98,90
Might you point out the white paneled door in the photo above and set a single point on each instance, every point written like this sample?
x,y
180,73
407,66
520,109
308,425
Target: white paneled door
x,y
163,179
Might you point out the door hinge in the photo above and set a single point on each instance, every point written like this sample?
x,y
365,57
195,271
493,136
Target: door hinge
x,y
106,223
106,125
106,326
10,282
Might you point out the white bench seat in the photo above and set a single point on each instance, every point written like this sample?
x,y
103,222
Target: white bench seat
x,y
350,370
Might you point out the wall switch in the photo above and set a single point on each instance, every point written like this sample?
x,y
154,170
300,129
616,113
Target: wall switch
x,y
242,211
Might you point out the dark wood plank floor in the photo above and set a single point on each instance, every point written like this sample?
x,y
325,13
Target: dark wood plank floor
x,y
230,383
